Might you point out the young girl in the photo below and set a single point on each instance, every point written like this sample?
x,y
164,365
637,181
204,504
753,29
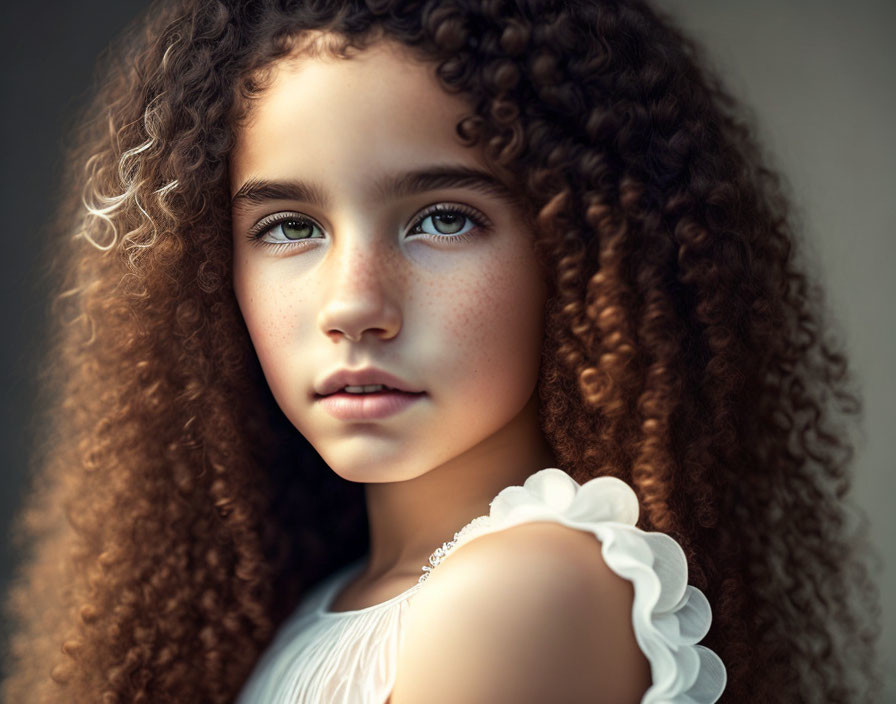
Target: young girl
x,y
432,352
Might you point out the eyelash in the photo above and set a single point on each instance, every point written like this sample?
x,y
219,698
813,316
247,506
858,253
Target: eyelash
x,y
265,225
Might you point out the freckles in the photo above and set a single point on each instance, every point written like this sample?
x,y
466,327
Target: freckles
x,y
497,295
272,314
291,314
485,306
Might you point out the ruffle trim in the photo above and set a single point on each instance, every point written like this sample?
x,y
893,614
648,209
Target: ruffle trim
x,y
669,616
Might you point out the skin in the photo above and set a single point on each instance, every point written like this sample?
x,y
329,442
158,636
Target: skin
x,y
548,621
461,320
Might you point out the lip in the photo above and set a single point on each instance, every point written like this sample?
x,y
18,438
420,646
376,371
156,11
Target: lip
x,y
341,378
382,404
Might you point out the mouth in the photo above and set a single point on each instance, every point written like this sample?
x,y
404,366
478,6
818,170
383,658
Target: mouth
x,y
366,394
372,405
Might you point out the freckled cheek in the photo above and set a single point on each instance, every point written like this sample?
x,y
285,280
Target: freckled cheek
x,y
498,326
272,311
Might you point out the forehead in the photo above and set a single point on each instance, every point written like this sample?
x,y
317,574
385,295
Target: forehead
x,y
381,107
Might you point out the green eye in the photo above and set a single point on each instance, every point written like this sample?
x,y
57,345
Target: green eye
x,y
296,229
444,223
291,229
447,222
452,221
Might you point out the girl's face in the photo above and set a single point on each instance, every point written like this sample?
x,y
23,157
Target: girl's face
x,y
340,262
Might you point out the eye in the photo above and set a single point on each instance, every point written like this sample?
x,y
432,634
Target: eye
x,y
292,227
442,222
448,223
296,229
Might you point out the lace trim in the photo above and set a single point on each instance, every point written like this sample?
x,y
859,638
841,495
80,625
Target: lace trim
x,y
440,552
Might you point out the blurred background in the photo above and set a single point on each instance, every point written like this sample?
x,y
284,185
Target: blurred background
x,y
818,78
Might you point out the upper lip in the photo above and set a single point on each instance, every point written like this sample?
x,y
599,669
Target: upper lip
x,y
361,377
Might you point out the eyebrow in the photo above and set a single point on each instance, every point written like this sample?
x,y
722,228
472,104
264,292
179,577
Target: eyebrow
x,y
257,190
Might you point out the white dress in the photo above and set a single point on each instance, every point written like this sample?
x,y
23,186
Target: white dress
x,y
320,656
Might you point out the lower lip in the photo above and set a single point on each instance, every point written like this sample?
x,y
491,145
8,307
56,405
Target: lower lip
x,y
346,406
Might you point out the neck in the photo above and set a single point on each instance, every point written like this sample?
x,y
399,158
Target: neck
x,y
410,519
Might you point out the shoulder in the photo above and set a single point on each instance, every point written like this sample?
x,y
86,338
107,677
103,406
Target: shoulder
x,y
527,614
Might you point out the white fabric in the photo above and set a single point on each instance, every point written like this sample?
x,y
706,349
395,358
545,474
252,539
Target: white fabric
x,y
349,657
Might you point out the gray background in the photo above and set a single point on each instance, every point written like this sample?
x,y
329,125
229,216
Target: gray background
x,y
819,76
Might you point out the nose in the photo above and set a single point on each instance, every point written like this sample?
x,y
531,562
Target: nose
x,y
361,295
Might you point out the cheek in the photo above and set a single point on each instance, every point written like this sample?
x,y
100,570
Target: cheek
x,y
251,296
270,317
497,329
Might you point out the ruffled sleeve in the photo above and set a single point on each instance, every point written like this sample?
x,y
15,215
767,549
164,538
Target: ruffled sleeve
x,y
669,616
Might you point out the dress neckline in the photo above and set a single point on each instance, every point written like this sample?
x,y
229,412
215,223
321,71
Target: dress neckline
x,y
350,570
341,579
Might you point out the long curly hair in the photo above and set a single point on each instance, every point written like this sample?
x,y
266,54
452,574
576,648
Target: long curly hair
x,y
176,517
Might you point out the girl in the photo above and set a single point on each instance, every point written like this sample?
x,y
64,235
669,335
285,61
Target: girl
x,y
355,288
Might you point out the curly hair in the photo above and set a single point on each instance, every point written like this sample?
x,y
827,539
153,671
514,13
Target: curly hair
x,y
177,517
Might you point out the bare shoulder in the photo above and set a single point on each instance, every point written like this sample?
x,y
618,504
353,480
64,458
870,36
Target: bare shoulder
x,y
531,614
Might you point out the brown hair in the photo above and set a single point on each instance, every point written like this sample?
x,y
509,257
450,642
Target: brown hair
x,y
177,517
